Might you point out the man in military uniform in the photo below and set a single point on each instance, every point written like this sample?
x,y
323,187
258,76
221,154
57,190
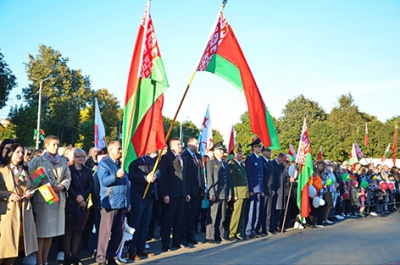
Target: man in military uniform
x,y
219,193
254,171
240,194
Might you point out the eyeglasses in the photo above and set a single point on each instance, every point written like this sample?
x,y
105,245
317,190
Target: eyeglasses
x,y
28,154
80,156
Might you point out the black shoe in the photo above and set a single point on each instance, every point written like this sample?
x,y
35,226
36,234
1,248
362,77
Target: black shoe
x,y
112,262
232,239
239,237
258,235
166,249
209,241
181,246
196,230
250,236
77,261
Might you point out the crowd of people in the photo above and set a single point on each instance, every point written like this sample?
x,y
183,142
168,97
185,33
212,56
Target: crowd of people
x,y
224,195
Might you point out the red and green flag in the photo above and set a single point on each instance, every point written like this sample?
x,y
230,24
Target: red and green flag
x,y
386,153
224,57
366,135
37,175
143,126
306,169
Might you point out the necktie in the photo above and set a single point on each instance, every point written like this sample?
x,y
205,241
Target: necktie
x,y
178,157
195,160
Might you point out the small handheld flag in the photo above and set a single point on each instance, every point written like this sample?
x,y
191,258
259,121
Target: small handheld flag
x,y
38,174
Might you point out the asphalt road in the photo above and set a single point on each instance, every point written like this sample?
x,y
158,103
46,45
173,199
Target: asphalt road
x,y
372,240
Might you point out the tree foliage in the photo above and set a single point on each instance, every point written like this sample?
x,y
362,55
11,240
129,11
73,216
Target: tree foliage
x,y
335,132
7,81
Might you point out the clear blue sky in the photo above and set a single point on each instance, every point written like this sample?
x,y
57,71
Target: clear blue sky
x,y
321,49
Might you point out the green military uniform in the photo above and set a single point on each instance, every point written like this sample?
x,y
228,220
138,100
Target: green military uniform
x,y
240,190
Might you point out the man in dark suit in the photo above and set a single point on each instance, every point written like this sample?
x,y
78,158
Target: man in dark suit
x,y
266,201
254,171
277,174
193,172
240,194
139,218
219,193
174,191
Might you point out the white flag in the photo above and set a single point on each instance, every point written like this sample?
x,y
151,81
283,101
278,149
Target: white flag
x,y
206,134
99,131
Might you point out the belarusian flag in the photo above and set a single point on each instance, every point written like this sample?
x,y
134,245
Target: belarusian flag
x,y
206,134
224,57
99,131
394,147
320,153
366,135
306,171
304,145
38,174
386,154
292,152
143,126
353,155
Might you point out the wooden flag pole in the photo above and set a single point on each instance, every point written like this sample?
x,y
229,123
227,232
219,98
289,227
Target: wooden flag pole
x,y
181,102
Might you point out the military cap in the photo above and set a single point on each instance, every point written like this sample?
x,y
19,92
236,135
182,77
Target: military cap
x,y
255,142
237,148
217,146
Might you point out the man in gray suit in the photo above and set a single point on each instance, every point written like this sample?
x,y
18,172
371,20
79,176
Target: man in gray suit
x,y
219,193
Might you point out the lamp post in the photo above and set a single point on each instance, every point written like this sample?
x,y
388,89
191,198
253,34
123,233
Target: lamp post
x,y
39,108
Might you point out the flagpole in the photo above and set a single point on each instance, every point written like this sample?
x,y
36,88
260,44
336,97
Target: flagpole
x,y
125,147
184,96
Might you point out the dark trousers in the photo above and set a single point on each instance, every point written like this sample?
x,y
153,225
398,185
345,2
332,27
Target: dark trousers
x,y
112,221
237,221
254,214
94,237
139,218
215,227
155,218
192,209
173,213
274,219
265,214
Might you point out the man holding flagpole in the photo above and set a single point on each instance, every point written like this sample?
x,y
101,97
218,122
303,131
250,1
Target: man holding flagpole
x,y
114,203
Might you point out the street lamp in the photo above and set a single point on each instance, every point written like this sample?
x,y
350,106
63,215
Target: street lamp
x,y
39,108
181,132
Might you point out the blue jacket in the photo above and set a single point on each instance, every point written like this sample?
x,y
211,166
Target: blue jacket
x,y
114,192
254,171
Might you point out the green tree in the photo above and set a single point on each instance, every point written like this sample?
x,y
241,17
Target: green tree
x,y
63,95
244,135
349,125
111,115
24,118
218,137
291,123
7,132
7,81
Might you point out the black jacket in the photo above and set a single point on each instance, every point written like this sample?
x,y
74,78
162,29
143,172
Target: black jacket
x,y
193,173
74,188
138,170
172,182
